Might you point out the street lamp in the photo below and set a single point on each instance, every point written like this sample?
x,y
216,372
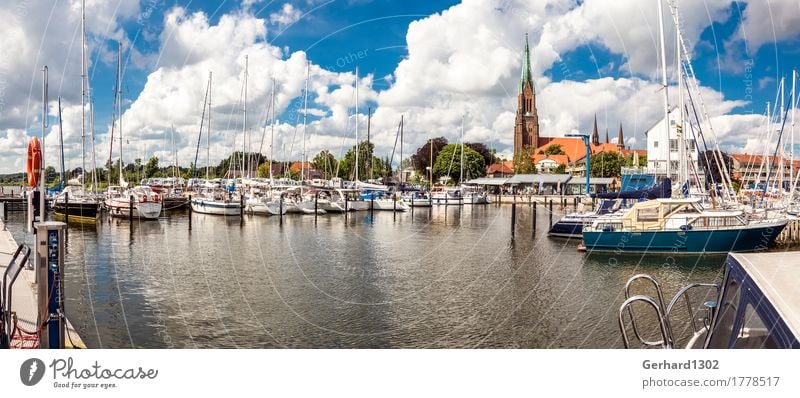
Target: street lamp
x,y
586,141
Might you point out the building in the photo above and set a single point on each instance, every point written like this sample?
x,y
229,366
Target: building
x,y
752,170
526,123
500,170
663,151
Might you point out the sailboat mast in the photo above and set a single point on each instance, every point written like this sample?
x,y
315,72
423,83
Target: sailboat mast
x,y
358,147
401,150
61,145
245,163
42,175
791,135
208,136
83,93
461,175
272,130
368,161
683,172
174,154
94,159
665,83
119,107
305,113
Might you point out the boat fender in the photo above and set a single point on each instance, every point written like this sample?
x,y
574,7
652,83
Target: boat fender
x,y
686,227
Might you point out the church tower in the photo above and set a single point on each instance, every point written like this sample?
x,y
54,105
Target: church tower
x,y
526,126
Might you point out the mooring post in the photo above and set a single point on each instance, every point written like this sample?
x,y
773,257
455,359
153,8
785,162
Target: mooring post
x,y
241,208
130,209
346,201
513,219
280,208
66,208
372,205
551,212
316,209
533,214
190,212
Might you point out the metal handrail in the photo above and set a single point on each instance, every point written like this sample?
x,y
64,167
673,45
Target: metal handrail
x,y
690,309
13,270
666,341
660,307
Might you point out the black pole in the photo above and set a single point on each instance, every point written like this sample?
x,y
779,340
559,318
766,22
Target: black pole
x,y
316,199
533,223
190,212
551,212
241,208
346,202
372,205
130,210
513,218
66,208
280,208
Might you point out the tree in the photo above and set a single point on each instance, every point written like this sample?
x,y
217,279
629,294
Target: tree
x,y
448,163
523,161
709,161
326,163
347,165
151,167
486,153
561,169
552,149
606,164
263,170
421,160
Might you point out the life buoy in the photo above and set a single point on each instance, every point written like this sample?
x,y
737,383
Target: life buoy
x,y
34,168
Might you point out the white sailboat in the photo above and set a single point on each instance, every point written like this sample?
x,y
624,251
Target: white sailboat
x,y
213,199
140,200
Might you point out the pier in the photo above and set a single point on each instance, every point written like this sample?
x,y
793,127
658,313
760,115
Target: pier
x,y
790,235
25,301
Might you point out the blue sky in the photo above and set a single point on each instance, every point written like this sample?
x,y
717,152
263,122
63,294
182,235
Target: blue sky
x,y
443,60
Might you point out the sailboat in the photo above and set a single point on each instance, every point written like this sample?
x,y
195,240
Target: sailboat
x,y
681,225
260,198
140,201
212,199
74,201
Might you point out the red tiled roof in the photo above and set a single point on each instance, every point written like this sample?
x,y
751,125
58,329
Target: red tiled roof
x,y
502,168
297,166
559,159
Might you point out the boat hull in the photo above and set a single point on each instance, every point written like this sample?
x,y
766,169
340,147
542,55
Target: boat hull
x,y
204,206
565,228
76,210
145,210
746,239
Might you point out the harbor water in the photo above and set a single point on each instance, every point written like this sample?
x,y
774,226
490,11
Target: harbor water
x,y
448,277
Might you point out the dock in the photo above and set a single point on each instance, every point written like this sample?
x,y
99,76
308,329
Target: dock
x,y
25,299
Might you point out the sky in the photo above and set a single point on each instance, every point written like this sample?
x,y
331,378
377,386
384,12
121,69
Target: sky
x,y
436,63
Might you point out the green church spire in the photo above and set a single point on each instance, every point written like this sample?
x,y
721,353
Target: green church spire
x,y
527,76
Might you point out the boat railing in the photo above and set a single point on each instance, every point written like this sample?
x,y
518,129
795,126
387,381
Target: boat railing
x,y
664,313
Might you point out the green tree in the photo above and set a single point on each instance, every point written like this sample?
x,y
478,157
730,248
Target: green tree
x,y
553,149
326,163
422,158
523,161
561,169
448,163
151,167
347,165
263,170
606,164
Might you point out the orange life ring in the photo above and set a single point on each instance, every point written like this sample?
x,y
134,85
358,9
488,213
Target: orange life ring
x,y
34,162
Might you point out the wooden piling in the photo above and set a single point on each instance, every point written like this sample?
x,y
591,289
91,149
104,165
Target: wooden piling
x,y
316,206
130,209
513,219
190,212
551,212
66,209
533,218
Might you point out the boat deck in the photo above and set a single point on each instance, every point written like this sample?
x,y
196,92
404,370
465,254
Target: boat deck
x,y
24,301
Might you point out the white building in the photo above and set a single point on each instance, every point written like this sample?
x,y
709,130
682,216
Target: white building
x,y
661,150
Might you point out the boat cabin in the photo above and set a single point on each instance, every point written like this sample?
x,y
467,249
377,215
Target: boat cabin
x,y
670,214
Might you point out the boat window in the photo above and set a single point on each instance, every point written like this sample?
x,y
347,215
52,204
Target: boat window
x,y
754,333
647,214
723,327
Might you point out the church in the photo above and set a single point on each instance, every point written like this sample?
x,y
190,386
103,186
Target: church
x,y
526,130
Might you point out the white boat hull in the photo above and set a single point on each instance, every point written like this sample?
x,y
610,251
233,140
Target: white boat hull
x,y
205,206
122,208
